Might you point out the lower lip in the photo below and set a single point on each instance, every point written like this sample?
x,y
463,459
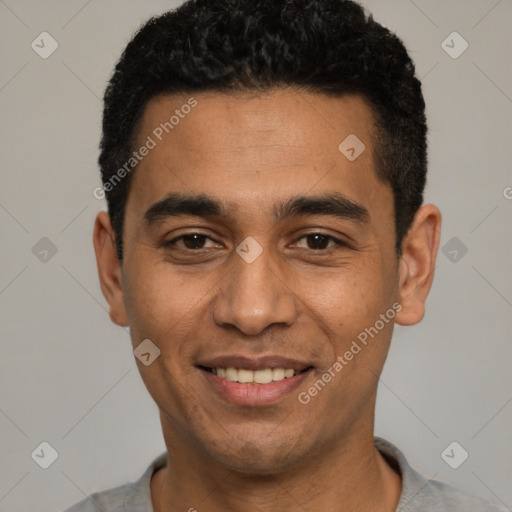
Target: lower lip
x,y
254,394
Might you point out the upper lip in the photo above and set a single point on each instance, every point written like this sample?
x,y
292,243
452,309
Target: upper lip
x,y
254,363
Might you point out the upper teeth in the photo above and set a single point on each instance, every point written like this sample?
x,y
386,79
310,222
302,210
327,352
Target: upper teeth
x,y
259,376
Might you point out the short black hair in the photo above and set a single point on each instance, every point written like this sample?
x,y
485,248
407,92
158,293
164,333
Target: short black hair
x,y
324,46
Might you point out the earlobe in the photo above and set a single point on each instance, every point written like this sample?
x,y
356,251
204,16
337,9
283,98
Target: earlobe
x,y
417,264
109,268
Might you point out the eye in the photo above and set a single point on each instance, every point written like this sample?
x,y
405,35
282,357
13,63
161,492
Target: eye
x,y
314,241
320,241
191,241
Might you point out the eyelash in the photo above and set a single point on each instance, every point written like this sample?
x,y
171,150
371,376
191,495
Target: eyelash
x,y
339,243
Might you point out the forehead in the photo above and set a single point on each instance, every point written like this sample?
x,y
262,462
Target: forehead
x,y
306,122
263,146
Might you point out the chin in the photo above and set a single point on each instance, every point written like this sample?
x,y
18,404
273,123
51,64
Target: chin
x,y
257,456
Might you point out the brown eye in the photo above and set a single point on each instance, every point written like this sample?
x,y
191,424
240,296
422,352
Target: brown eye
x,y
320,241
190,241
194,241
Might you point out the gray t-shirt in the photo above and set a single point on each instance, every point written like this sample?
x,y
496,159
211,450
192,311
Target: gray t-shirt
x,y
418,493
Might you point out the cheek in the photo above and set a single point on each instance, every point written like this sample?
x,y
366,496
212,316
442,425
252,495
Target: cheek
x,y
346,306
350,309
348,296
159,302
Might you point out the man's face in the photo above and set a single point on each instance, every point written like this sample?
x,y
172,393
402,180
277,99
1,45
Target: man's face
x,y
289,292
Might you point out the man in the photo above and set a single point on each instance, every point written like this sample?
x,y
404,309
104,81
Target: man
x,y
264,164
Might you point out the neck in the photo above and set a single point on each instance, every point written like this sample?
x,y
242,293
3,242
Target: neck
x,y
347,477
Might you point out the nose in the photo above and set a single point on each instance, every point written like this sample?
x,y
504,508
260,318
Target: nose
x,y
253,296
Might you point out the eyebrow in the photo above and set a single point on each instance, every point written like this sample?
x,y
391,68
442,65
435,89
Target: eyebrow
x,y
335,204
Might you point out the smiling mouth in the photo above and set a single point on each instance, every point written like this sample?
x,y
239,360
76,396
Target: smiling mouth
x,y
263,376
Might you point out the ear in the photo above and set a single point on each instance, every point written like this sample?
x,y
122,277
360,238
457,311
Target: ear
x,y
417,264
109,268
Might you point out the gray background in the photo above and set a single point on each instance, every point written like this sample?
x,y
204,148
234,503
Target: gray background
x,y
68,376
